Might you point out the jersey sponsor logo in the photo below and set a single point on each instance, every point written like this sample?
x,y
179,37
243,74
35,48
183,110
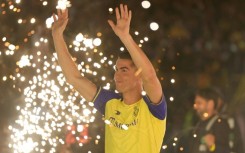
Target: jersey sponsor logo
x,y
136,111
117,112
119,125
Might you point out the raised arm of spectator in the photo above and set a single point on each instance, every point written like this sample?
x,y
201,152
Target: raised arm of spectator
x,y
151,84
85,87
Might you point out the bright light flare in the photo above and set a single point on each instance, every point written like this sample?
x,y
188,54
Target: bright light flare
x,y
164,147
17,1
63,4
97,42
24,61
49,21
79,37
146,4
33,20
20,21
154,26
11,47
45,3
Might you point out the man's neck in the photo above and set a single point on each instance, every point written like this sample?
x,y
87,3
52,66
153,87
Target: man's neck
x,y
131,97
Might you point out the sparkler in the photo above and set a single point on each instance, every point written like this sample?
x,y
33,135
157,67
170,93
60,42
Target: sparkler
x,y
63,4
50,104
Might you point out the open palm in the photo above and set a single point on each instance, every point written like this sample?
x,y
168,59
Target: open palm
x,y
123,21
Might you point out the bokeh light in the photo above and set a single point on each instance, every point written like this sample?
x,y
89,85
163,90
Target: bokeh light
x,y
154,26
146,4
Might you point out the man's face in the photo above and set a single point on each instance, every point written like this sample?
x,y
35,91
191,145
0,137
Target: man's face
x,y
124,76
203,107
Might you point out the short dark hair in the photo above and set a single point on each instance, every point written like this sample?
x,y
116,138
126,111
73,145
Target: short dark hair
x,y
210,93
124,55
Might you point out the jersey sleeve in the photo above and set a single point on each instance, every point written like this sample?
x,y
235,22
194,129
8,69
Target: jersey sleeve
x,y
102,97
158,110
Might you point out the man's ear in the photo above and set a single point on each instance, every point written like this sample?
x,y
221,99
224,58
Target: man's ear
x,y
211,103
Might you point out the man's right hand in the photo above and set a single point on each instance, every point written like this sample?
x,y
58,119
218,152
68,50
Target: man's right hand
x,y
209,139
60,22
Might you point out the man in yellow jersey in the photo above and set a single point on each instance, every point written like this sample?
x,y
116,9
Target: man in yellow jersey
x,y
136,122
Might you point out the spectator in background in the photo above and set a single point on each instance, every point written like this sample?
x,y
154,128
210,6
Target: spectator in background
x,y
235,136
214,132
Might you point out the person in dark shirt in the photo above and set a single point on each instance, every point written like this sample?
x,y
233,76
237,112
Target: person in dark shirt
x,y
213,133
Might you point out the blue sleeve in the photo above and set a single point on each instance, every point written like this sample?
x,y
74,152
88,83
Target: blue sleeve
x,y
157,110
102,97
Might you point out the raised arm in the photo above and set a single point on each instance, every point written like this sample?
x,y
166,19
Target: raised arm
x,y
86,88
151,84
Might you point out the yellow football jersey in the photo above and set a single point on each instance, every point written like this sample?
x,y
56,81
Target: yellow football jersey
x,y
136,128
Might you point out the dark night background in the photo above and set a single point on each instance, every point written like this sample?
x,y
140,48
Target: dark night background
x,y
199,43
